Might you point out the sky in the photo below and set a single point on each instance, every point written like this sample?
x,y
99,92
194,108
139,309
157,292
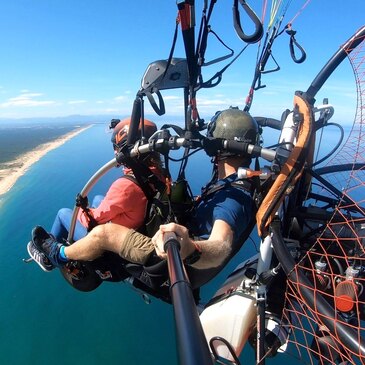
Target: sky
x,y
78,57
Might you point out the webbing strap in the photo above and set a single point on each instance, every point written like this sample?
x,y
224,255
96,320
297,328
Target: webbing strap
x,y
159,109
144,176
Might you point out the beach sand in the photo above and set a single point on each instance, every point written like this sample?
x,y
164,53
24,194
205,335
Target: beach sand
x,y
12,170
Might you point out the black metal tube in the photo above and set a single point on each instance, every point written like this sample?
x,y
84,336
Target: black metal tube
x,y
338,168
186,103
333,62
135,120
344,197
192,345
261,329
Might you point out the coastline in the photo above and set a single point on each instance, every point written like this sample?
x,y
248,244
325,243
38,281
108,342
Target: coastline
x,y
11,171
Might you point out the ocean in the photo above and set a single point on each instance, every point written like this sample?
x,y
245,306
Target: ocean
x,y
43,320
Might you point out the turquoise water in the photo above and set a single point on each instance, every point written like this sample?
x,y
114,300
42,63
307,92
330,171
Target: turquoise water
x,y
43,320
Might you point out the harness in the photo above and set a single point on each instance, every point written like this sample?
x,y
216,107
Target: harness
x,y
199,277
211,188
164,205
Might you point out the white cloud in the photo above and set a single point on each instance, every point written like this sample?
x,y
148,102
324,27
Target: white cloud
x,y
120,98
28,95
72,102
26,100
171,97
111,110
211,102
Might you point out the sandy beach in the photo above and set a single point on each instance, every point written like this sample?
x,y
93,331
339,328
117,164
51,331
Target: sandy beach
x,y
12,170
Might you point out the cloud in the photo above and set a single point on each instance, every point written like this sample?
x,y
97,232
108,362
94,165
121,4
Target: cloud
x,y
120,98
111,110
72,102
172,97
212,102
26,99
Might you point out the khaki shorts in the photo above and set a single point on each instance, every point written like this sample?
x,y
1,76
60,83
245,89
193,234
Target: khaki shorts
x,y
136,247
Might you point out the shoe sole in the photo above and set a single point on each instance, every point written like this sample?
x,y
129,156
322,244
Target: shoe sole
x,y
44,268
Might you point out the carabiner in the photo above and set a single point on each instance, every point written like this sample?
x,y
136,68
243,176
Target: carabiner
x,y
259,30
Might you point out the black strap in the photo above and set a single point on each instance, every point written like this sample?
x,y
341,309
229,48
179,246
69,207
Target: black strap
x,y
187,20
172,49
293,42
178,130
130,178
159,109
143,174
258,32
243,184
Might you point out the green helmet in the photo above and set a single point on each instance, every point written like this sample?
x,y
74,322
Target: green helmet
x,y
234,124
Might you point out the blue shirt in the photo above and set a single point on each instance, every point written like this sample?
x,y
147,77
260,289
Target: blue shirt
x,y
231,204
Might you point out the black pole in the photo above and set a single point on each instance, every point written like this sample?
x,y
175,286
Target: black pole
x,y
333,62
261,330
192,345
135,120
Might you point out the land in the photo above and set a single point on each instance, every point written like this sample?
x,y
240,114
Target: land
x,y
11,171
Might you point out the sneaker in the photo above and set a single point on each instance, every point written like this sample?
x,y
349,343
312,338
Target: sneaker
x,y
39,257
48,245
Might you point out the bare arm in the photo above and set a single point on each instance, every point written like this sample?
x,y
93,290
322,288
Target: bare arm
x,y
214,250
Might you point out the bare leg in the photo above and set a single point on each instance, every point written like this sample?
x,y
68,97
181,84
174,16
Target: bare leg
x,y
106,237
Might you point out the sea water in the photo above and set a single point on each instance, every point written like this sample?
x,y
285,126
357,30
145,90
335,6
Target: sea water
x,y
43,320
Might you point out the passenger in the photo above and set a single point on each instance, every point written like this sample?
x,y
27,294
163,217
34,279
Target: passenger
x,y
119,204
213,234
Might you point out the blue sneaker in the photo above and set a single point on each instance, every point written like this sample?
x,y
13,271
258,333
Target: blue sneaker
x,y
39,257
47,244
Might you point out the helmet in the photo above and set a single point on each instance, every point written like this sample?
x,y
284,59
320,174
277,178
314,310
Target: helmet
x,y
234,124
120,133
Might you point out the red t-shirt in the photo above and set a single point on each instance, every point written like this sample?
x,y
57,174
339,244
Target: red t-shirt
x,y
124,204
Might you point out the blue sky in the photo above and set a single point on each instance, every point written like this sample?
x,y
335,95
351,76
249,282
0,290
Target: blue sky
x,y
64,57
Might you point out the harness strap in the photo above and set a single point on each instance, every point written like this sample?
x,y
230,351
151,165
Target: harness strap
x,y
245,184
144,176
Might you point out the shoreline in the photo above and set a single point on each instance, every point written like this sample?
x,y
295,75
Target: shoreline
x,y
11,171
